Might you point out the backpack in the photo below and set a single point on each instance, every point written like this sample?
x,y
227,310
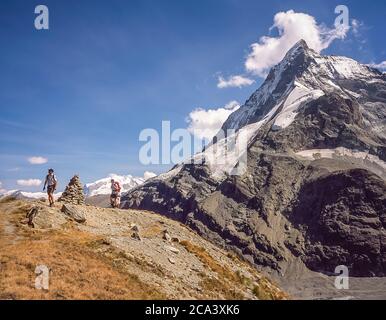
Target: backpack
x,y
117,187
51,179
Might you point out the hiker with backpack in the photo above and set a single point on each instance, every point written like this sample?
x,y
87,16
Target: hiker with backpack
x,y
115,197
51,183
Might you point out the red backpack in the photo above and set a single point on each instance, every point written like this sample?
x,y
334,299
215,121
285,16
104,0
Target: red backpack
x,y
117,187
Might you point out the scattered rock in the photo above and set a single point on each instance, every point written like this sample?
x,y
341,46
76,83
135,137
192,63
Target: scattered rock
x,y
74,192
106,242
175,239
166,236
74,213
134,227
172,249
172,261
136,236
128,255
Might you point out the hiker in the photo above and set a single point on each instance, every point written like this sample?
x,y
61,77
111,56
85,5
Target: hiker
x,y
115,197
51,184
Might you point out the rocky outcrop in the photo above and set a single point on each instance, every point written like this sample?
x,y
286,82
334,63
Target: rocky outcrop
x,y
319,210
73,193
74,213
30,216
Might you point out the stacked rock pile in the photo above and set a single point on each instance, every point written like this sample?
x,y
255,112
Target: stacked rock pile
x,y
74,192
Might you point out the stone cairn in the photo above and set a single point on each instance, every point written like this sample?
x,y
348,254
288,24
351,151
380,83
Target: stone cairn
x,y
73,193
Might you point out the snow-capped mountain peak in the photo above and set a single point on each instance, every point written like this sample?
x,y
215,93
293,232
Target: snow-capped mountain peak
x,y
291,87
303,76
305,69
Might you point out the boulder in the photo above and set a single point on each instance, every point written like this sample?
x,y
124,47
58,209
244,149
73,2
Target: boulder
x,y
30,216
74,213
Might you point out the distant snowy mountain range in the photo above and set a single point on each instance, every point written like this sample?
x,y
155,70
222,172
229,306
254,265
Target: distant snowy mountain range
x,y
18,194
99,187
103,186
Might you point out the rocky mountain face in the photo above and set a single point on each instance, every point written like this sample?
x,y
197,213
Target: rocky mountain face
x,y
313,193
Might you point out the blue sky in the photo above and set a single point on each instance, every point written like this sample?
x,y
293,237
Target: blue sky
x,y
79,93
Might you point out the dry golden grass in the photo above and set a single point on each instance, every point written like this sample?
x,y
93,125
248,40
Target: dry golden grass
x,y
226,284
77,271
228,281
153,230
207,260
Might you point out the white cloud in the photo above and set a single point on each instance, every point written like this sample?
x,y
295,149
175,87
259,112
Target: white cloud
x,y
381,66
234,81
148,175
205,124
292,27
356,26
29,183
37,160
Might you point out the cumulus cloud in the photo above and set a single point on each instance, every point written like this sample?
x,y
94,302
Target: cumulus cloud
x,y
29,183
205,124
148,175
37,160
234,81
381,66
292,27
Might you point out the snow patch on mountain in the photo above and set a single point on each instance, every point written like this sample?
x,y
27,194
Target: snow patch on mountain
x,y
299,96
360,158
227,155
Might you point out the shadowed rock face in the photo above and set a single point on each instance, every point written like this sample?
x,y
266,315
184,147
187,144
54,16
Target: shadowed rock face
x,y
322,211
344,220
